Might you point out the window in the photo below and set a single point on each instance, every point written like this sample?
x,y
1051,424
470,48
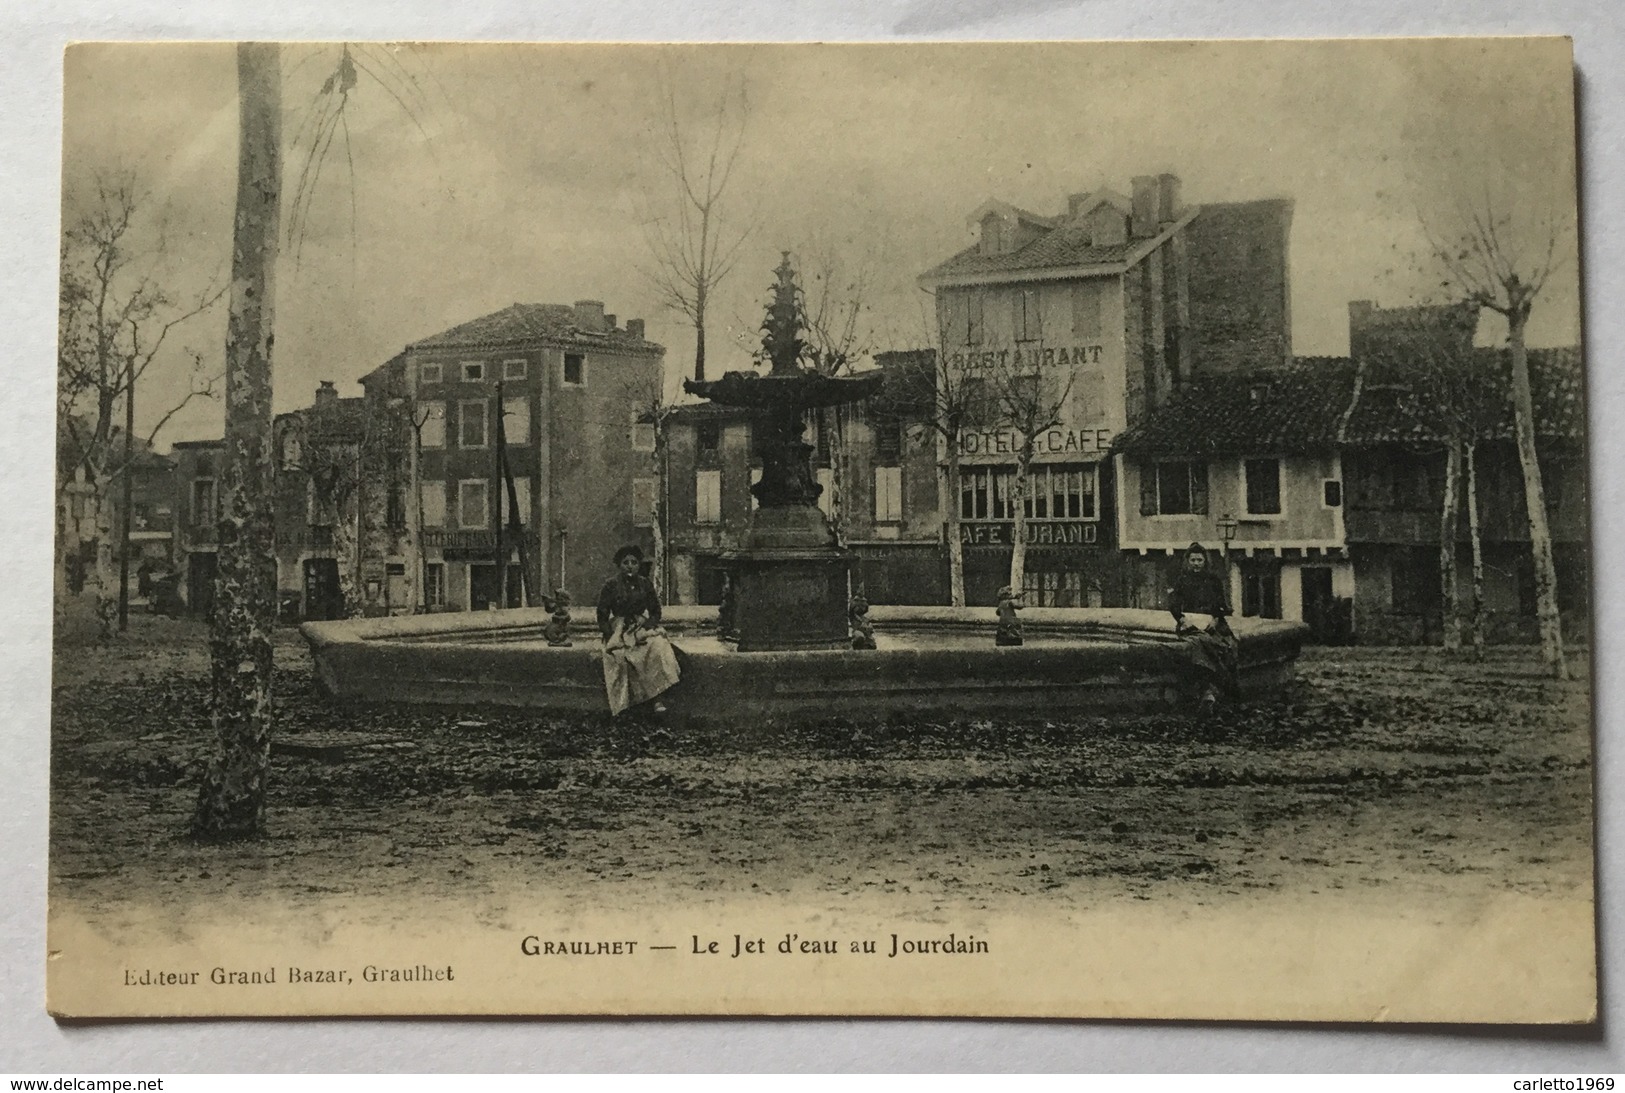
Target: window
x,y
708,437
1026,315
1053,493
431,419
1086,310
643,432
888,494
888,440
203,506
434,504
707,497
1331,493
643,502
975,319
516,420
755,477
473,371
395,508
513,370
473,504
471,423
434,584
321,508
575,369
1057,588
1173,489
1261,591
1263,486
428,373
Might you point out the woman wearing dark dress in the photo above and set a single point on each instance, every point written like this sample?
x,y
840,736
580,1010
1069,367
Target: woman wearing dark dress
x,y
1212,649
640,664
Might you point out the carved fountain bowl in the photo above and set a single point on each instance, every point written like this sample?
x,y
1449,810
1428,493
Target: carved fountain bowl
x,y
797,391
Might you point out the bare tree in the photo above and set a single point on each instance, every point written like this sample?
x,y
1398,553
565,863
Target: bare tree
x,y
114,322
1029,400
839,332
1426,351
1493,263
692,237
951,395
231,801
652,410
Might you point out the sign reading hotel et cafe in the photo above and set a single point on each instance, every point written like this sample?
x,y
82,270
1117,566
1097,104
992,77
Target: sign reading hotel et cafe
x,y
1064,439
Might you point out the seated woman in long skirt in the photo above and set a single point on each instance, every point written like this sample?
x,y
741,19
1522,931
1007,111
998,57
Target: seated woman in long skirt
x,y
640,664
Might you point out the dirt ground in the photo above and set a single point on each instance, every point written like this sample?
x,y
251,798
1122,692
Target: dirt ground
x,y
1387,771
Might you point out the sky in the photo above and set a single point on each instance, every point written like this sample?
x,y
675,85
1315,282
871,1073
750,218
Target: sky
x,y
467,178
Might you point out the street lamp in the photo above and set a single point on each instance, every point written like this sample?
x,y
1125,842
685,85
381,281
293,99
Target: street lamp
x,y
1227,532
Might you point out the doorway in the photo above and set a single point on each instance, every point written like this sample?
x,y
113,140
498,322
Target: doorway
x,y
200,574
1319,605
323,599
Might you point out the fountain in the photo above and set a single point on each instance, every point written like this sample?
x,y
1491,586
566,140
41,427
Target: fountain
x,y
790,581
782,647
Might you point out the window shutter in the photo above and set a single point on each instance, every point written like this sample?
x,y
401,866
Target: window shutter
x,y
1148,489
1199,488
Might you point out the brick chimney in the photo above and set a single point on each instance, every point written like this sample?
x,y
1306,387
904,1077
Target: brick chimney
x,y
1146,199
1169,206
634,327
609,322
589,314
326,394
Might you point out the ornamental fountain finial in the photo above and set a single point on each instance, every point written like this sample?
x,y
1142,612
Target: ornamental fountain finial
x,y
781,329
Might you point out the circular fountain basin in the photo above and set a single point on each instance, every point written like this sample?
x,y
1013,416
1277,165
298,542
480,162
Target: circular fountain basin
x,y
929,660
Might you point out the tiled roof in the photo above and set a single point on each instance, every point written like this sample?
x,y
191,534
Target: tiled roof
x,y
1294,409
1062,248
1393,412
343,418
1321,403
522,323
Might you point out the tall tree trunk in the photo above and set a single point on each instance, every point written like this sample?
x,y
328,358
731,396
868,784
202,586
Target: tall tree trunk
x,y
1450,596
1534,492
1476,611
231,801
956,547
699,334
1018,529
129,498
657,523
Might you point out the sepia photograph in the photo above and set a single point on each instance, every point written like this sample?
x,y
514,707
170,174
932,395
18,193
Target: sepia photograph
x,y
1064,529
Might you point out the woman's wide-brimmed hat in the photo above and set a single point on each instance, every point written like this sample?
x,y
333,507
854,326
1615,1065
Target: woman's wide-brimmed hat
x,y
631,550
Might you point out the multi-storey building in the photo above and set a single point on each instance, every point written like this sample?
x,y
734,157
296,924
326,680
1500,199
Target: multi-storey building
x,y
197,519
1118,303
342,536
1326,482
528,428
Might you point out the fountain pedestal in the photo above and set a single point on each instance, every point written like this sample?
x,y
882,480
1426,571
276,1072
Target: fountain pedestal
x,y
791,583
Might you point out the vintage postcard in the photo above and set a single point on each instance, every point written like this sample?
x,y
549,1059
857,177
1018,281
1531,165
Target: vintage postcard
x,y
1022,529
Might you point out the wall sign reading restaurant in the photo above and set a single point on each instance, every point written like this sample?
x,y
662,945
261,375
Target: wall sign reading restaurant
x,y
1036,356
